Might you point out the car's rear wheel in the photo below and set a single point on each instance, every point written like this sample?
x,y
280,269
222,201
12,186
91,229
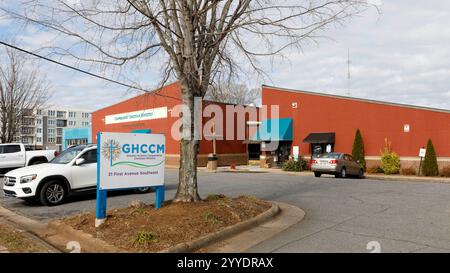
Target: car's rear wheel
x,y
341,174
52,193
361,173
317,174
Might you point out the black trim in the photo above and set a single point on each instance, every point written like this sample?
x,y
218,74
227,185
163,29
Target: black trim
x,y
93,188
320,138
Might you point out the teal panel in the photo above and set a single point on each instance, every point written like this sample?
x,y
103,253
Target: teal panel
x,y
274,130
76,133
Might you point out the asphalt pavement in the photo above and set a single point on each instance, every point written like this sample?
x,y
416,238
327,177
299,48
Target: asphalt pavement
x,y
342,215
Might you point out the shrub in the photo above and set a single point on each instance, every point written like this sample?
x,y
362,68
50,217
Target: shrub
x,y
212,197
445,172
430,166
358,149
409,171
390,161
375,169
144,238
212,218
295,166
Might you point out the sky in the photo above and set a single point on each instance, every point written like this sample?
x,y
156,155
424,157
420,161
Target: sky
x,y
401,55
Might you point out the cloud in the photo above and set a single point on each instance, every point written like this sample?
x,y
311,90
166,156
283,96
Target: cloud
x,y
401,55
397,56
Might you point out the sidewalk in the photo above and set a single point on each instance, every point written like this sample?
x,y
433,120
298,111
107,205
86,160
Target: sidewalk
x,y
397,178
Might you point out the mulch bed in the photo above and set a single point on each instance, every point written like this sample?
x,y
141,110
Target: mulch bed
x,y
145,229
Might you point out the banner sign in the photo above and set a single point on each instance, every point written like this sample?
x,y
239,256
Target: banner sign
x,y
422,152
147,114
129,160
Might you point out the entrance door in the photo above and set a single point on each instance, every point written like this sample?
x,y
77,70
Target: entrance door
x,y
320,148
254,151
283,152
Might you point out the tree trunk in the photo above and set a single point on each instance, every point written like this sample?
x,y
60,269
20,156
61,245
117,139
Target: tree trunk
x,y
189,147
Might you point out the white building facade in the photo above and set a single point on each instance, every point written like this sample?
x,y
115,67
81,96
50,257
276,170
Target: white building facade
x,y
44,129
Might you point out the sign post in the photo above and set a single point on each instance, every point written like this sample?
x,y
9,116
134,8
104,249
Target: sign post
x,y
129,161
422,154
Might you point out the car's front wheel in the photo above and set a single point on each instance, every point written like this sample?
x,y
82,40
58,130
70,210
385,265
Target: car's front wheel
x,y
52,193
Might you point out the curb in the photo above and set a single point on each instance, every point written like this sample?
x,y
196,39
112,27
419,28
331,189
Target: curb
x,y
408,179
246,240
224,233
87,241
36,231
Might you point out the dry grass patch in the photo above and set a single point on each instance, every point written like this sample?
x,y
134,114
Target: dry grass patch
x,y
16,242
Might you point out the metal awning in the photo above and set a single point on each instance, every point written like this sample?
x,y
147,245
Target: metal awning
x,y
274,130
319,138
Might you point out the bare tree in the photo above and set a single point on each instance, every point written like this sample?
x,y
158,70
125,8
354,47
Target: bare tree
x,y
198,42
238,94
22,91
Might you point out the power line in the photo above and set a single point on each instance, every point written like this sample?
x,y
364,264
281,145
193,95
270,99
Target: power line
x,y
83,71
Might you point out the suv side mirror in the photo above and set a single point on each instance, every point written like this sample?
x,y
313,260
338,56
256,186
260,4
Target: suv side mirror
x,y
79,161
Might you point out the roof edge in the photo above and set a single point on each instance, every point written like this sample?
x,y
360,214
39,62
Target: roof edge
x,y
447,111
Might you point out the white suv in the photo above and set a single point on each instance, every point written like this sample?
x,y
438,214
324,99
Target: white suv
x,y
75,169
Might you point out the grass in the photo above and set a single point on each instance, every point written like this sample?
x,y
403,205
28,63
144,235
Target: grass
x,y
212,218
212,197
145,238
15,242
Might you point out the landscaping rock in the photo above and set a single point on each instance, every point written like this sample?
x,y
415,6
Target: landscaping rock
x,y
137,204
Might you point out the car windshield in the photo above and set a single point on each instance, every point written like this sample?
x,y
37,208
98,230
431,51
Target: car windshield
x,y
68,155
329,155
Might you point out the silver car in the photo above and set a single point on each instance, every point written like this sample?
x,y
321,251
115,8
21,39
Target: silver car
x,y
339,164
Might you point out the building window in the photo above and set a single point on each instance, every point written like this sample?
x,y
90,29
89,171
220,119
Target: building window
x,y
59,131
60,114
38,130
39,139
38,121
39,112
51,113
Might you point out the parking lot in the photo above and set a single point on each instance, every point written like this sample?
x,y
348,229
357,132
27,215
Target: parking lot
x,y
342,215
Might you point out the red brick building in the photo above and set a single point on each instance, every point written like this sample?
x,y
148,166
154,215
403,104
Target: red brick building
x,y
407,127
308,122
119,118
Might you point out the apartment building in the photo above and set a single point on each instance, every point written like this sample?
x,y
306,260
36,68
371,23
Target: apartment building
x,y
43,129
